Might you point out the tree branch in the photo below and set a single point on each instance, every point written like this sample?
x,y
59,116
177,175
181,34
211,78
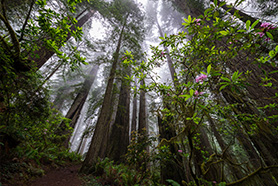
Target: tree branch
x,y
26,20
3,17
253,174
5,44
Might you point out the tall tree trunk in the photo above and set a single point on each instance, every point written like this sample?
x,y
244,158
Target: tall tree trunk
x,y
76,107
59,101
134,111
169,60
80,143
83,147
119,138
85,135
114,103
45,54
99,141
142,127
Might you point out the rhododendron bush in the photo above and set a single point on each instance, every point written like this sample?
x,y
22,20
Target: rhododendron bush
x,y
224,89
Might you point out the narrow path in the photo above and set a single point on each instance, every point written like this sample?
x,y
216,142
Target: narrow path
x,y
65,176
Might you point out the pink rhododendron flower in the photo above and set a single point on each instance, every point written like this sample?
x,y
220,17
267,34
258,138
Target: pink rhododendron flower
x,y
25,129
261,34
201,78
197,21
267,39
180,151
268,26
45,129
265,25
196,93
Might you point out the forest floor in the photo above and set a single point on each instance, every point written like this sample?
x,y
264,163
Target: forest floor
x,y
63,176
66,175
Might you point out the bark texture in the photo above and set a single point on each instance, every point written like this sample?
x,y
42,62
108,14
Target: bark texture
x,y
142,128
119,138
99,141
134,112
78,103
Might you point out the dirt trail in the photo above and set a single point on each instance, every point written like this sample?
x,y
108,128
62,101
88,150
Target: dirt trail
x,y
65,176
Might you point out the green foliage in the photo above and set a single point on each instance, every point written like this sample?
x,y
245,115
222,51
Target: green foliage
x,y
138,155
173,183
39,142
216,69
47,28
28,123
106,172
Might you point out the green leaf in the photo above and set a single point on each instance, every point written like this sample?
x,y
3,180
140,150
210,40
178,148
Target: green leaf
x,y
226,79
269,35
191,92
208,69
272,72
216,14
268,85
224,33
173,183
222,87
215,2
234,76
41,2
186,20
241,30
187,97
189,19
254,24
222,3
248,22
271,53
